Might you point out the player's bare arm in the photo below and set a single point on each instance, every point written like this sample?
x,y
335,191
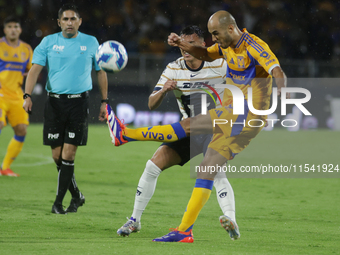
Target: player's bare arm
x,y
198,52
280,79
31,80
103,85
156,98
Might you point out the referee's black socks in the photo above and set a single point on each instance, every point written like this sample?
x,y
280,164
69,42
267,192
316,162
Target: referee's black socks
x,y
64,179
73,188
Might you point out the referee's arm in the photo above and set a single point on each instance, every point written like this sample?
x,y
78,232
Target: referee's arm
x,y
103,85
31,80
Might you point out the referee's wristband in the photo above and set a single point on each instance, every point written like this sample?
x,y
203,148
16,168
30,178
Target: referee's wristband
x,y
105,100
26,95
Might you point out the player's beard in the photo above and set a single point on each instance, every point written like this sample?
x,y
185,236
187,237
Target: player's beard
x,y
226,42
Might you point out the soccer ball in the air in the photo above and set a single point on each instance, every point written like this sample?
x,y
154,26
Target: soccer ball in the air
x,y
111,56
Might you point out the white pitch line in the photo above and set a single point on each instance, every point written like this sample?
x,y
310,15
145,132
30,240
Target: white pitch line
x,y
44,160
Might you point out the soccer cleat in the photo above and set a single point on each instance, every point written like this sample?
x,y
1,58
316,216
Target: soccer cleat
x,y
9,172
131,226
176,236
115,126
75,203
231,227
58,209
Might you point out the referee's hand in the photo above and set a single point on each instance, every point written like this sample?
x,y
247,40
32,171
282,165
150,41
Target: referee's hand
x,y
28,105
102,112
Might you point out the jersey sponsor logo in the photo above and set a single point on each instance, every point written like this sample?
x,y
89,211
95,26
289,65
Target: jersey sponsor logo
x,y
153,135
15,55
196,85
193,75
53,136
237,77
14,67
240,61
83,48
232,61
71,135
223,194
270,61
58,48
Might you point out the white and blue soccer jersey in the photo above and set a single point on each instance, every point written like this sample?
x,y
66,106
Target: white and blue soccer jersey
x,y
191,84
69,62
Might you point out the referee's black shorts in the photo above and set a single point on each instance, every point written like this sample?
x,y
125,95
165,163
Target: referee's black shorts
x,y
66,119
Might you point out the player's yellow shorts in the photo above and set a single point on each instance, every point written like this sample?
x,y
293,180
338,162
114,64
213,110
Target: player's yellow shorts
x,y
13,110
237,130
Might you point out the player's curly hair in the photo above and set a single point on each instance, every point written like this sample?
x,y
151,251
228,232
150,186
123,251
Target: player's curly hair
x,y
192,29
68,7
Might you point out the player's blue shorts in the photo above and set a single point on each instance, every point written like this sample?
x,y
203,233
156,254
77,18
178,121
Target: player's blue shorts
x,y
189,147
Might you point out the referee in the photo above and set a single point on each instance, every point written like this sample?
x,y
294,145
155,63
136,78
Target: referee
x,y
69,57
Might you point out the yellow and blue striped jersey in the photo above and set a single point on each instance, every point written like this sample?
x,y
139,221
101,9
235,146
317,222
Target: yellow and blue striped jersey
x,y
250,63
14,62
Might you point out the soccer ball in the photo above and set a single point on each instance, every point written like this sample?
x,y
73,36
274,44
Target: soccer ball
x,y
111,56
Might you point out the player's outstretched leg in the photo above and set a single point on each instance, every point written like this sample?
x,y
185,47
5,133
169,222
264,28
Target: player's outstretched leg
x,y
129,227
120,134
177,236
231,227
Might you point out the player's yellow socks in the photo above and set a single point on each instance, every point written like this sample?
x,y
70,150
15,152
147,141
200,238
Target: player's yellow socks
x,y
13,150
199,197
165,133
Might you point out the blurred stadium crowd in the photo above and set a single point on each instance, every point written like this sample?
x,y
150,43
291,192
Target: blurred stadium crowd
x,y
306,29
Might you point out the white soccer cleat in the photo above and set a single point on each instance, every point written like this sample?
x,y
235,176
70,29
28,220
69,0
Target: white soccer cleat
x,y
129,227
231,227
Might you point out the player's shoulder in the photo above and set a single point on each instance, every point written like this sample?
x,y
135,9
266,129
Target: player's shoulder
x,y
25,45
254,42
178,64
217,63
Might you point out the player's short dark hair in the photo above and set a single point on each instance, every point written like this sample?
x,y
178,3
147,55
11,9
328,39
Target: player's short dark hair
x,y
189,30
12,18
68,7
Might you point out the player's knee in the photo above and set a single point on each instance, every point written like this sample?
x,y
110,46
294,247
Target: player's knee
x,y
20,130
186,125
56,159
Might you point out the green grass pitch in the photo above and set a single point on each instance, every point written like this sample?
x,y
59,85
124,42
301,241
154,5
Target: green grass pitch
x,y
275,215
